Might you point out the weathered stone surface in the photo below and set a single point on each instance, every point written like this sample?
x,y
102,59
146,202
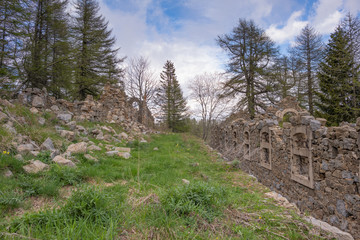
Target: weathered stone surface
x,y
123,135
122,149
41,121
38,102
35,166
3,117
25,148
337,233
7,173
19,157
94,148
314,125
125,155
66,117
80,147
69,135
9,128
63,161
187,182
90,158
156,149
47,145
111,153
55,108
34,110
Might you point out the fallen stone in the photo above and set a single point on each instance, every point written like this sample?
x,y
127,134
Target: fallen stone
x,y
69,135
55,108
90,158
143,141
25,148
35,166
66,117
281,200
94,148
34,153
63,161
38,102
100,136
10,128
123,135
72,125
80,147
111,153
125,155
3,117
156,149
8,173
106,128
187,182
34,110
41,121
19,157
6,103
337,233
47,145
122,149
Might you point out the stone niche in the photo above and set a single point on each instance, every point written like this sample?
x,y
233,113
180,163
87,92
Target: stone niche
x,y
246,145
301,156
265,148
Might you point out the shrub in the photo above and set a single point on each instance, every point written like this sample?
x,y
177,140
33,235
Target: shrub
x,y
198,198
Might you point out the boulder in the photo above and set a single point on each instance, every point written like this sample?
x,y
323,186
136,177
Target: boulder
x,y
38,102
156,149
66,117
47,145
94,148
125,155
122,149
25,148
63,161
35,166
41,121
54,108
69,135
337,233
111,153
123,135
8,173
3,117
90,158
9,128
80,147
187,182
34,110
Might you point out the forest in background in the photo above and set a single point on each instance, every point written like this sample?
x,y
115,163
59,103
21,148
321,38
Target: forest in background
x,y
68,48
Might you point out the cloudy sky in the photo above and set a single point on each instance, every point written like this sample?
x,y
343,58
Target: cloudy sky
x,y
184,31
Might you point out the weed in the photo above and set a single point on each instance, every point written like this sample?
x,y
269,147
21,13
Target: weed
x,y
204,199
45,157
32,186
65,175
10,199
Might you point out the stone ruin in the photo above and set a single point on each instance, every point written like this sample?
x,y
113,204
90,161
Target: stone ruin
x,y
314,166
113,106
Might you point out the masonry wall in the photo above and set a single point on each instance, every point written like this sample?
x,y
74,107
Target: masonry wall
x,y
314,166
112,106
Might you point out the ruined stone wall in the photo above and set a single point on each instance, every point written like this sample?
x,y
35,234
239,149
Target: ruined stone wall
x,y
314,166
112,106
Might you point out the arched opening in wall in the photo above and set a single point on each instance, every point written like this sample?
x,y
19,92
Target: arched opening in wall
x,y
301,156
285,116
265,148
246,145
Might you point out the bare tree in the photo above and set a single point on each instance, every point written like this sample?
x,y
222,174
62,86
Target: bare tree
x,y
140,83
206,90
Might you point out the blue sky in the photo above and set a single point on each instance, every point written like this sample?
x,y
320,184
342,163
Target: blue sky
x,y
184,31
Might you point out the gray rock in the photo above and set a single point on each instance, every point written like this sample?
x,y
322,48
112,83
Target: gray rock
x,y
38,102
156,149
63,161
80,147
9,128
122,149
3,117
19,157
8,173
187,182
123,135
347,175
69,135
341,208
34,110
125,155
25,148
111,153
94,148
337,233
66,117
54,108
41,121
35,166
47,145
305,120
314,125
90,158
358,122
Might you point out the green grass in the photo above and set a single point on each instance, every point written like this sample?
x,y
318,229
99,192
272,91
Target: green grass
x,y
144,197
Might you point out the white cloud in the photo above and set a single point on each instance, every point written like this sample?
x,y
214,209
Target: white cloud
x,y
327,15
289,31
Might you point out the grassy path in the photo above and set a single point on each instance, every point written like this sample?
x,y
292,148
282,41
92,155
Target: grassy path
x,y
145,197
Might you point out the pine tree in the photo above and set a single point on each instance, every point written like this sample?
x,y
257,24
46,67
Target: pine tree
x,y
172,102
250,51
335,76
96,61
308,50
